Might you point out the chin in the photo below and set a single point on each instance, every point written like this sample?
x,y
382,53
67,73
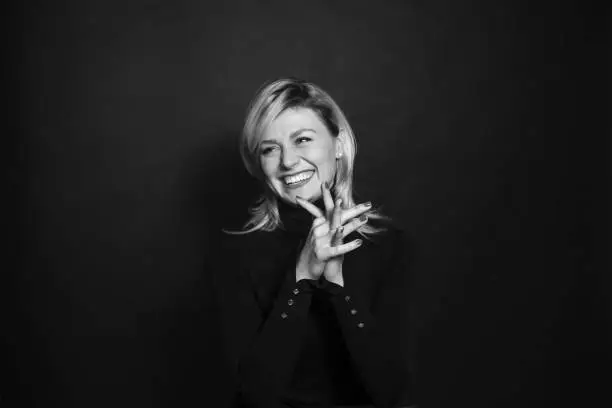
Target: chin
x,y
314,196
311,193
289,196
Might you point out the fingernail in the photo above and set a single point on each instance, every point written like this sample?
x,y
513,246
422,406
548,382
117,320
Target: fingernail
x,y
297,197
326,185
340,229
363,218
368,204
358,242
339,202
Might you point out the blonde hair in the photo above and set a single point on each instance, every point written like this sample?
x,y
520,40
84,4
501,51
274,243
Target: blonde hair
x,y
272,99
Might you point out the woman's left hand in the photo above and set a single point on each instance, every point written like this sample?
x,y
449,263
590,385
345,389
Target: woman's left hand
x,y
340,222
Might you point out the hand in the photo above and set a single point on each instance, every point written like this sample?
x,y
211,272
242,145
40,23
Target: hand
x,y
324,248
333,268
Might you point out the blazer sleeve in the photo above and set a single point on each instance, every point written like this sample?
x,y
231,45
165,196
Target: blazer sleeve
x,y
375,328
261,346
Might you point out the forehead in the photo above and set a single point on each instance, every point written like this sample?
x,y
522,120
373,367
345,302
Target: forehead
x,y
291,120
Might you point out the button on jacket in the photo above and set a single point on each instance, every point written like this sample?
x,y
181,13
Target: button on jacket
x,y
314,343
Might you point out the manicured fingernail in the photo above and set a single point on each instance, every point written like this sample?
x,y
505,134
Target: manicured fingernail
x,y
326,185
340,229
363,218
368,204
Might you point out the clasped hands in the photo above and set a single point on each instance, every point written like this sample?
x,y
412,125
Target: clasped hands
x,y
323,251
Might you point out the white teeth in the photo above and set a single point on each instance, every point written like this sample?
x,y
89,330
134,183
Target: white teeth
x,y
298,177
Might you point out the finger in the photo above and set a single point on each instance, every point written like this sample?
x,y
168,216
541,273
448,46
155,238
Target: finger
x,y
354,224
310,207
353,212
335,224
316,224
337,237
335,251
328,201
336,215
318,221
321,229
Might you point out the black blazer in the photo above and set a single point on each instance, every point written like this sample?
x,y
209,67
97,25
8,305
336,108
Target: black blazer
x,y
264,313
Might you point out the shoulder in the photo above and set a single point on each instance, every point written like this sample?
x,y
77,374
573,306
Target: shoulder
x,y
243,244
384,245
393,256
388,233
391,245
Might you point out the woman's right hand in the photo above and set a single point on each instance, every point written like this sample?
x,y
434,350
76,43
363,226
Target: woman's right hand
x,y
319,246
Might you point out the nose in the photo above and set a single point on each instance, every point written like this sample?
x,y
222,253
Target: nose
x,y
289,158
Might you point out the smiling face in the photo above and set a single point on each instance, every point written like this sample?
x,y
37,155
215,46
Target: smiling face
x,y
297,154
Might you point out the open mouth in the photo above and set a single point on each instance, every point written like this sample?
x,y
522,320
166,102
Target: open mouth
x,y
298,179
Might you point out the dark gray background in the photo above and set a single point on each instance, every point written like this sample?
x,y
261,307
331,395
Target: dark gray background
x,y
479,129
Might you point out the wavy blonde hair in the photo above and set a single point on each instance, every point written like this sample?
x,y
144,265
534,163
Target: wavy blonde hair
x,y
271,100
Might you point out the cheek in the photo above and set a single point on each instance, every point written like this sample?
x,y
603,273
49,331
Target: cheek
x,y
267,168
326,161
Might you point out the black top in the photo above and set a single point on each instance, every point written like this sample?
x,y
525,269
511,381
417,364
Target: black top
x,y
314,343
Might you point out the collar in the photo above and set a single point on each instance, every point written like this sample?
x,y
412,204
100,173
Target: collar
x,y
296,219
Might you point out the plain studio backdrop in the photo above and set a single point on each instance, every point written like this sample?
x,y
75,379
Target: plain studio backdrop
x,y
476,124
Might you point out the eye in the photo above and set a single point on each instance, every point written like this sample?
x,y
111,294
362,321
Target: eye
x,y
267,150
302,139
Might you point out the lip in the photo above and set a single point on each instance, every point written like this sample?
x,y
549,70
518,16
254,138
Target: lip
x,y
299,184
294,173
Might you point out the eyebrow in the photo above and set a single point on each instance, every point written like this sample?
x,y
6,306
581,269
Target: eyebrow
x,y
292,135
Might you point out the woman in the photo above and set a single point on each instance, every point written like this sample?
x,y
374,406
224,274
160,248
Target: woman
x,y
313,307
